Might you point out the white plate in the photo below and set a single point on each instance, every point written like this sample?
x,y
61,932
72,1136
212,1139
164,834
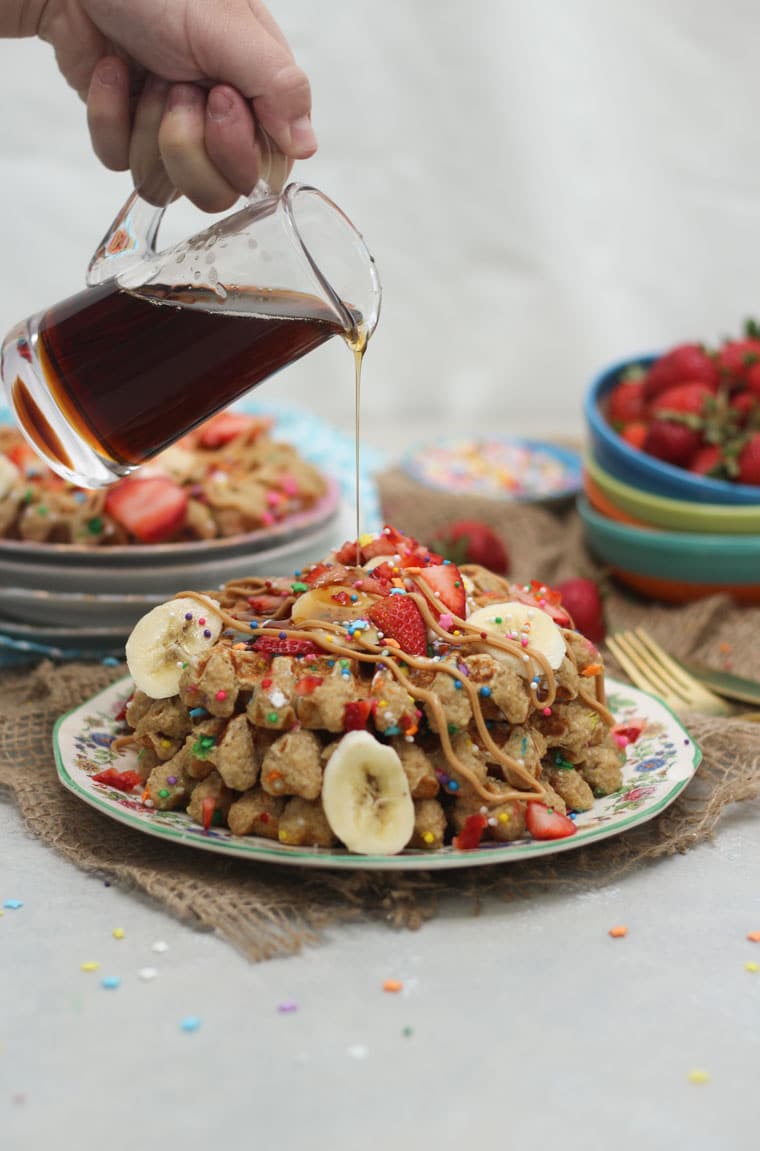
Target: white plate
x,y
116,610
145,561
199,568
659,765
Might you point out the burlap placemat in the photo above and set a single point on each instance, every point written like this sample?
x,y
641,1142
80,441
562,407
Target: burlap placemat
x,y
266,911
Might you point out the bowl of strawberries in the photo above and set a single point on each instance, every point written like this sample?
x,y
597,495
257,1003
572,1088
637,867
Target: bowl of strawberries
x,y
672,473
683,424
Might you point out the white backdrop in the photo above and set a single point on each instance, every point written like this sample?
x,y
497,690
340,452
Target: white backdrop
x,y
546,185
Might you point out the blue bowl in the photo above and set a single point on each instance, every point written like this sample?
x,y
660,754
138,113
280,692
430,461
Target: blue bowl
x,y
635,467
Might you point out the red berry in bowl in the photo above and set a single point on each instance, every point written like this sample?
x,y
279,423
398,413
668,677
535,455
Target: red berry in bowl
x,y
673,443
626,403
708,461
685,363
635,433
749,461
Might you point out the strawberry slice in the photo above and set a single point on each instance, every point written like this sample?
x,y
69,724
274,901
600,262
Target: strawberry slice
x,y
356,713
544,823
545,598
121,780
25,458
273,645
349,554
445,581
471,834
399,618
151,508
224,427
382,546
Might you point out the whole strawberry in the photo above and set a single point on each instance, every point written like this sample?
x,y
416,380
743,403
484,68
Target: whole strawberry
x,y
746,403
708,461
687,399
626,403
735,359
635,433
584,603
749,461
687,363
671,442
473,542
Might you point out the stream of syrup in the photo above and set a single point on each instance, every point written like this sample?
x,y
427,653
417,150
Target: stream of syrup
x,y
357,342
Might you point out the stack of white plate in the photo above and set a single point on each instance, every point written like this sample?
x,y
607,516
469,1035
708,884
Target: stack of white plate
x,y
83,597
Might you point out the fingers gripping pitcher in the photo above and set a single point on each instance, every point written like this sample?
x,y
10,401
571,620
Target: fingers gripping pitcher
x,y
161,340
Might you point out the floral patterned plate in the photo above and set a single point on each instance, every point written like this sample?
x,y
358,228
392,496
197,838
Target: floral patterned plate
x,y
658,766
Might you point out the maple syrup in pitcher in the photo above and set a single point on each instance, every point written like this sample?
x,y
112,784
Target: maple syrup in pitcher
x,y
177,358
161,341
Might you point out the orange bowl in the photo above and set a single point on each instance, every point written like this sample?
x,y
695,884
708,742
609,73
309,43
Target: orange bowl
x,y
605,506
678,591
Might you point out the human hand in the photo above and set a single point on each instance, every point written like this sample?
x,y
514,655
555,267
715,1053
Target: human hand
x,y
177,94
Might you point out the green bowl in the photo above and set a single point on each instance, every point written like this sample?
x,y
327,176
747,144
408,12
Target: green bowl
x,y
672,514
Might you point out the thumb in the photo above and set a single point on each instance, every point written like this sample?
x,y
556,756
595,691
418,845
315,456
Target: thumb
x,y
239,49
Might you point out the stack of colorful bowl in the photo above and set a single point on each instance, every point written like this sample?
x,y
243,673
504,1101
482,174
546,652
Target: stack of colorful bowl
x,y
666,532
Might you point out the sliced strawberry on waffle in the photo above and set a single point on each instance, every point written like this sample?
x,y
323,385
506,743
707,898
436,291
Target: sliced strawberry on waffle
x,y
539,595
445,581
399,619
284,645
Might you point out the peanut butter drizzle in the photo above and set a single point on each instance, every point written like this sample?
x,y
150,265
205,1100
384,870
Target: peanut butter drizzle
x,y
370,653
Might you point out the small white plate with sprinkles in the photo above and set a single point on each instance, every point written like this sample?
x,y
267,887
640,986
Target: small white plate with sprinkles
x,y
504,468
661,758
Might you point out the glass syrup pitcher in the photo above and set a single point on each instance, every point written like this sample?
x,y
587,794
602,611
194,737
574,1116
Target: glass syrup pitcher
x,y
161,340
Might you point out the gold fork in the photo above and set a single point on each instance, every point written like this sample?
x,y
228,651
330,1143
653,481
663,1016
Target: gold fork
x,y
653,670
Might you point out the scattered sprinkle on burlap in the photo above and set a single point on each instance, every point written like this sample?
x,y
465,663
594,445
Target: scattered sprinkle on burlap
x,y
267,911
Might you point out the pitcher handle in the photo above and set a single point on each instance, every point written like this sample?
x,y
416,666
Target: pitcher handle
x,y
132,236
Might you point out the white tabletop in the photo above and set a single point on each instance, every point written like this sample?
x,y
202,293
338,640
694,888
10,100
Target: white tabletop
x,y
527,1024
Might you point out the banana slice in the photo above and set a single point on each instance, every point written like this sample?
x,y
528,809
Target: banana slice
x,y
365,796
170,635
332,603
528,626
9,476
176,462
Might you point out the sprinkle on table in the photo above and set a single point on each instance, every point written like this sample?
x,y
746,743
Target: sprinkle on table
x,y
753,967
118,933
287,1007
147,974
160,947
698,1075
394,985
190,1023
13,904
89,965
618,932
753,936
110,982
